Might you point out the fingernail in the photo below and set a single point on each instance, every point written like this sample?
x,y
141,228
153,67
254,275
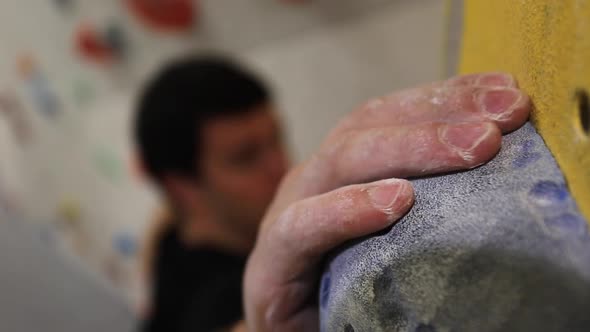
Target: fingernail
x,y
498,101
465,136
384,195
496,79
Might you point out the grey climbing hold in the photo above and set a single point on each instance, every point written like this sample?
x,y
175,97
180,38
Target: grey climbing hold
x,y
499,248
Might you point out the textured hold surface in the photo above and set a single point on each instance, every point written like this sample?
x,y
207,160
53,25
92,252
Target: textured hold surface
x,y
546,44
499,248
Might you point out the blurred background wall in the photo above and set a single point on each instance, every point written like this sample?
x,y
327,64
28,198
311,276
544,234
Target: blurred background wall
x,y
70,71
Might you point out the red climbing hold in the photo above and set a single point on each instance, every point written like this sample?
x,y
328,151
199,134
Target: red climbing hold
x,y
92,46
169,15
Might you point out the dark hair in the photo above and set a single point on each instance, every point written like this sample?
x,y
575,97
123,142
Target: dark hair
x,y
177,103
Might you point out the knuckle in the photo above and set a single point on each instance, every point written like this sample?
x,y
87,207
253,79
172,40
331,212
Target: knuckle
x,y
299,230
334,149
371,105
337,145
286,227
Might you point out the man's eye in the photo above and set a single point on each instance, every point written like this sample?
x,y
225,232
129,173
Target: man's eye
x,y
245,158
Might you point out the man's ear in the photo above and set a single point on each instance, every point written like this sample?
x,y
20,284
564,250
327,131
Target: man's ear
x,y
137,167
182,190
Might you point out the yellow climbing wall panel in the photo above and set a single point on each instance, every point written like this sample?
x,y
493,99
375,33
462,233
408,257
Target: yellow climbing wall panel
x,y
546,45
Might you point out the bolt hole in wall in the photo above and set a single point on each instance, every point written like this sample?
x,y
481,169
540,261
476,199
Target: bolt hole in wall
x,y
348,328
583,108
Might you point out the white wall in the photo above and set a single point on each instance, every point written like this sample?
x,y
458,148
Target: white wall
x,y
324,58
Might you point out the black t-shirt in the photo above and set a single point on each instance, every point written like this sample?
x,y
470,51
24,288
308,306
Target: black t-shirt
x,y
195,289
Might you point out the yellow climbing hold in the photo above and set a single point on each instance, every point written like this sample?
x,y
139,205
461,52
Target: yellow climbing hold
x,y
546,45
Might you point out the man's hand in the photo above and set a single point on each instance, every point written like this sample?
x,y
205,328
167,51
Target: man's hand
x,y
340,193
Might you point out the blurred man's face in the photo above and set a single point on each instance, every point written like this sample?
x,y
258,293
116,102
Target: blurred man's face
x,y
243,161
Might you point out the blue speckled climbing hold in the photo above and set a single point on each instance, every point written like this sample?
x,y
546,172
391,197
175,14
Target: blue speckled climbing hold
x,y
504,249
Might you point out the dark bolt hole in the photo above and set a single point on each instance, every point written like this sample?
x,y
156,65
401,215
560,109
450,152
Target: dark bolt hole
x,y
348,328
583,102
